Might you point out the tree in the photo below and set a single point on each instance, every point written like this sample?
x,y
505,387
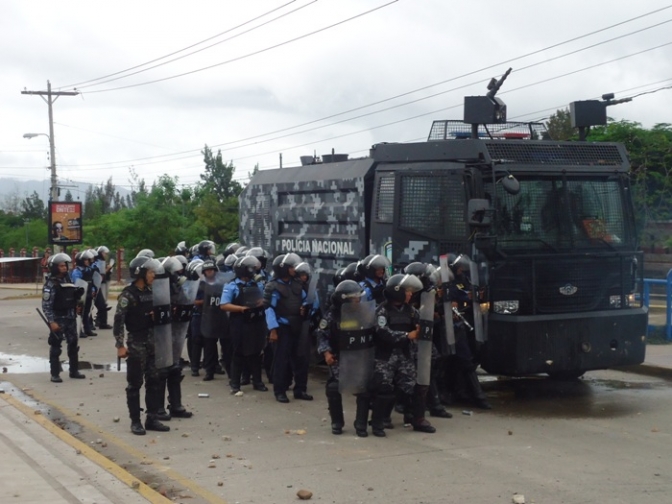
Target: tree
x,y
33,207
218,176
559,126
651,165
68,196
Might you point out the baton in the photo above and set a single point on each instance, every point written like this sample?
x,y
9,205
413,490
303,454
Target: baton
x,y
118,363
47,323
461,317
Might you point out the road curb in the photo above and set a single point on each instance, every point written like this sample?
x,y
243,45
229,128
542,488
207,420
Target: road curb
x,y
81,448
648,370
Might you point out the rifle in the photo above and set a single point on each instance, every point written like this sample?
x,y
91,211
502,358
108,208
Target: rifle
x,y
58,337
461,317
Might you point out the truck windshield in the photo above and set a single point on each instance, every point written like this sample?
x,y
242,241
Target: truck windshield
x,y
560,213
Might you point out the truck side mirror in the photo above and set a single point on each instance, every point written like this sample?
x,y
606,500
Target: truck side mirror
x,y
478,212
510,184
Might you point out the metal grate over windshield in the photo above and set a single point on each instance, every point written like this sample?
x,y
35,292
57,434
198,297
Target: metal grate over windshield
x,y
458,130
557,154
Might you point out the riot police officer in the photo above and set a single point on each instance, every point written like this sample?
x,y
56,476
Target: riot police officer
x,y
373,269
462,378
395,355
135,312
334,336
80,275
100,265
59,303
243,300
214,322
284,298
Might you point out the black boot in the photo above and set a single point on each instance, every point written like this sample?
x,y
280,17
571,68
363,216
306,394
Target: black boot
x,y
419,422
152,400
174,383
434,405
362,415
55,364
475,391
161,413
73,357
382,404
133,402
335,402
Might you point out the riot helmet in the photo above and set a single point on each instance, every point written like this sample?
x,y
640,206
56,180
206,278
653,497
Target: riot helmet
x,y
101,251
181,249
424,272
208,264
350,272
194,269
231,248
284,263
183,261
301,269
338,276
241,251
260,254
220,262
85,255
172,265
230,260
246,267
141,265
193,251
397,286
57,259
360,267
206,248
376,267
461,266
346,292
146,253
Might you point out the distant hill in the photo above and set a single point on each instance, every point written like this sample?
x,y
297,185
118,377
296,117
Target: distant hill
x,y
23,188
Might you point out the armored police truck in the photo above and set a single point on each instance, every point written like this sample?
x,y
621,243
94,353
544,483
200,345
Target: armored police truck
x,y
549,225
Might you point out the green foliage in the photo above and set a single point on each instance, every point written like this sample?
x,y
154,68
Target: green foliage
x,y
650,152
156,217
559,126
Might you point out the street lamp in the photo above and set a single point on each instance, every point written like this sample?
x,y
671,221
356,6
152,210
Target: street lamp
x,y
53,195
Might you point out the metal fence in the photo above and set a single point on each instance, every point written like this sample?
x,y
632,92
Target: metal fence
x,y
667,282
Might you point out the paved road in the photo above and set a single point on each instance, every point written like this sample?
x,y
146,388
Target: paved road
x,y
605,438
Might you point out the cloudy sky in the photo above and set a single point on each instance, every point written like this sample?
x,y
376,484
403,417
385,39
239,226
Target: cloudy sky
x,y
303,76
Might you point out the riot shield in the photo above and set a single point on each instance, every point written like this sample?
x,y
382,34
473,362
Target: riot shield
x,y
356,351
182,316
475,304
424,359
163,337
447,305
97,281
82,284
304,342
213,320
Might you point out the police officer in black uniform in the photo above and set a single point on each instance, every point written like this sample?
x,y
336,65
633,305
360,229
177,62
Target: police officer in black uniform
x,y
59,303
283,299
135,311
329,334
395,366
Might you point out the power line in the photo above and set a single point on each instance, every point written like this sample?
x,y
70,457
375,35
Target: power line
x,y
416,90
203,48
180,50
248,55
155,161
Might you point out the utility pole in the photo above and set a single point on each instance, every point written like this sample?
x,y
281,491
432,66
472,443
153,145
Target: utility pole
x,y
51,97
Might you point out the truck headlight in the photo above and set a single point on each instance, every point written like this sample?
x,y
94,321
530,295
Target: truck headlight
x,y
615,301
509,306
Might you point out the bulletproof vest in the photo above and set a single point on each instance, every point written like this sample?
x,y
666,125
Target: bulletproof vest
x,y
138,317
377,290
248,295
401,320
289,304
87,274
65,296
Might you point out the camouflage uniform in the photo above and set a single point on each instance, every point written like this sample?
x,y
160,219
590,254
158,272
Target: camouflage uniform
x,y
134,309
66,318
328,333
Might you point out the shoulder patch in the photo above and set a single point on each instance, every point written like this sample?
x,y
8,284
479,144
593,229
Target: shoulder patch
x,y
382,321
123,302
323,324
46,295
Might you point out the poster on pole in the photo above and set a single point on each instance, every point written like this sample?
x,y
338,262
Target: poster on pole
x,y
65,222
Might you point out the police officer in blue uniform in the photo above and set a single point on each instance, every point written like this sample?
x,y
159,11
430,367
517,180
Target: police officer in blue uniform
x,y
284,301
